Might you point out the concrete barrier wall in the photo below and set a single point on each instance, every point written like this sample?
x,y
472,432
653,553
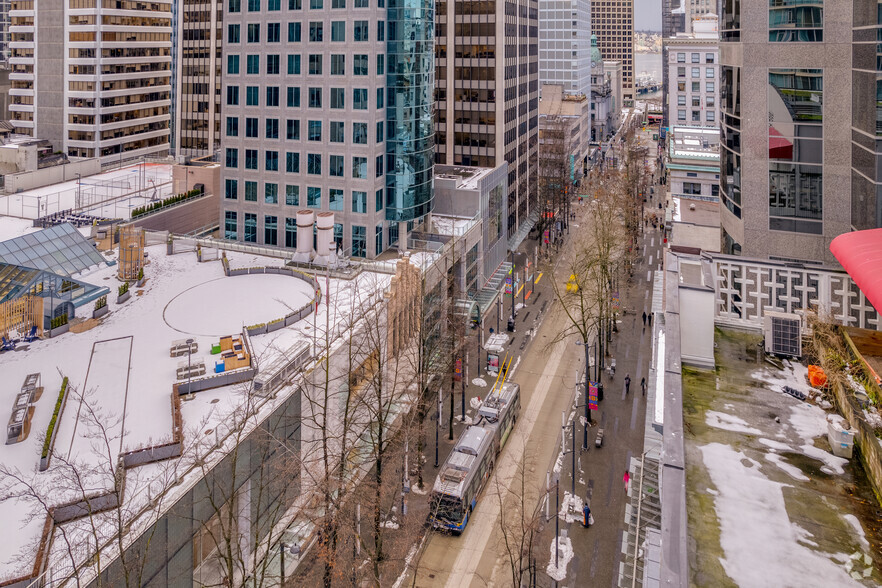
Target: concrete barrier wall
x,y
868,443
182,218
51,175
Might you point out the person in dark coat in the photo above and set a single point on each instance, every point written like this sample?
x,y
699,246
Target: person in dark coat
x,y
627,383
586,515
643,385
644,319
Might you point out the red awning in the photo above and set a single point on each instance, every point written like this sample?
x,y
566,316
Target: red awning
x,y
779,147
860,253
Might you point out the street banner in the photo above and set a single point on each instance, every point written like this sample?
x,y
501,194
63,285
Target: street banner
x,y
457,374
592,406
615,300
592,392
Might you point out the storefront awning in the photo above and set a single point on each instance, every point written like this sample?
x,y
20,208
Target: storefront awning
x,y
860,253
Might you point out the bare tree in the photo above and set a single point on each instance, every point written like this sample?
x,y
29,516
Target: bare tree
x,y
555,170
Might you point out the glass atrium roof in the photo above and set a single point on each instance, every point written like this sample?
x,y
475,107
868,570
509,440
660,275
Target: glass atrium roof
x,y
60,249
16,281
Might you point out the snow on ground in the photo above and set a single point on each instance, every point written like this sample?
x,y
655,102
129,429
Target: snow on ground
x,y
809,422
152,371
793,375
94,193
11,228
565,547
859,530
729,422
570,508
481,382
789,469
228,304
761,546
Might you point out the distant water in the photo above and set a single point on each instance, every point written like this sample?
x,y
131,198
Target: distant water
x,y
650,63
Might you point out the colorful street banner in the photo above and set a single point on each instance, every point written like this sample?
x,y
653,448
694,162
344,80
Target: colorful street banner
x,y
615,300
592,392
593,406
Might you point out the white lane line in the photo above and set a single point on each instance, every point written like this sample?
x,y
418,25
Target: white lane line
x,y
652,242
484,519
650,260
648,275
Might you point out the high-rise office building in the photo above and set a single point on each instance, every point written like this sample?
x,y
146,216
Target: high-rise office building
x,y
692,68
93,77
613,23
487,94
327,106
789,112
866,121
5,51
196,77
565,45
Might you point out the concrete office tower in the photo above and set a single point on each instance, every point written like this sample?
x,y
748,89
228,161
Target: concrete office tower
x,y
327,106
673,22
693,69
5,51
565,45
92,76
196,78
788,108
613,23
487,94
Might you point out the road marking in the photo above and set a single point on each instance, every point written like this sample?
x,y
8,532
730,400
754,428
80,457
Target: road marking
x,y
539,277
650,260
483,521
634,413
648,275
522,287
652,242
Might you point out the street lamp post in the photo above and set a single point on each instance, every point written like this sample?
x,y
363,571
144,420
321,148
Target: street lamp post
x,y
189,375
438,425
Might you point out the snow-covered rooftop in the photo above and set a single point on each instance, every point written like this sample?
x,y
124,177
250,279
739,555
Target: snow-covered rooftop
x,y
122,367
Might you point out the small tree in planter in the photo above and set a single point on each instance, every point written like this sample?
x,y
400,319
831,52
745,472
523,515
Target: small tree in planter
x,y
122,289
140,277
100,307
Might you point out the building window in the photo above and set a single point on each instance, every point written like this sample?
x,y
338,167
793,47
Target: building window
x,y
295,4
231,189
380,94
696,58
314,130
360,30
359,99
315,4
681,100
232,158
335,166
253,5
230,225
696,72
381,30
338,98
696,116
293,129
338,65
359,133
681,58
314,164
270,230
254,33
292,162
338,31
681,72
360,65
294,32
378,200
251,127
801,21
696,101
274,5
272,65
337,132
271,161
293,97
314,197
253,66
696,86
251,159
709,58
359,201
270,193
292,195
378,239
232,64
250,228
338,3
681,114
233,95
710,116
250,191
381,64
709,73
709,101
691,188
235,6
316,32
359,242
378,168
315,65
232,126
359,168
294,65
379,131
335,199
315,97
272,128
709,87
291,233
252,96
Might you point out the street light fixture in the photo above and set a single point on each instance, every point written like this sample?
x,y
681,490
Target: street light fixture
x,y
189,372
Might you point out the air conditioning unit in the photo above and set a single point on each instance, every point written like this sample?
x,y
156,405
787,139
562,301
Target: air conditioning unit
x,y
783,334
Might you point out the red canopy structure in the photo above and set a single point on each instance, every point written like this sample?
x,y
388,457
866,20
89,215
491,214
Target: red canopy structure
x,y
779,147
860,253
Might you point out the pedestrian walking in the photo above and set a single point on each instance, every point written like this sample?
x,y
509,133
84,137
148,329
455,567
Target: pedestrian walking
x,y
626,479
650,319
627,383
586,515
643,385
644,318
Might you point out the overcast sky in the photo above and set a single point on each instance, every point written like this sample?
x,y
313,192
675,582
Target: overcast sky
x,y
647,15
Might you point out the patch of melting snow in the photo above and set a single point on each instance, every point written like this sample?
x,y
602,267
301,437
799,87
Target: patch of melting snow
x,y
793,471
565,547
859,531
760,544
729,422
775,444
479,382
565,513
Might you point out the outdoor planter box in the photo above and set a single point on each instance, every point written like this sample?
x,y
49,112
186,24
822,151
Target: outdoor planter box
x,y
58,330
140,283
124,297
258,330
274,326
100,312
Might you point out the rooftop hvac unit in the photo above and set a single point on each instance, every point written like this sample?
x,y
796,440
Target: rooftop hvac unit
x,y
783,334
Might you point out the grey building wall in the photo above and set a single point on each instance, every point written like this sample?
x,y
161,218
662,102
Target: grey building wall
x,y
866,136
50,75
565,44
746,57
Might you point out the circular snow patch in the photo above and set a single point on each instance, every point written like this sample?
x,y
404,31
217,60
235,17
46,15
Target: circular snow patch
x,y
225,305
